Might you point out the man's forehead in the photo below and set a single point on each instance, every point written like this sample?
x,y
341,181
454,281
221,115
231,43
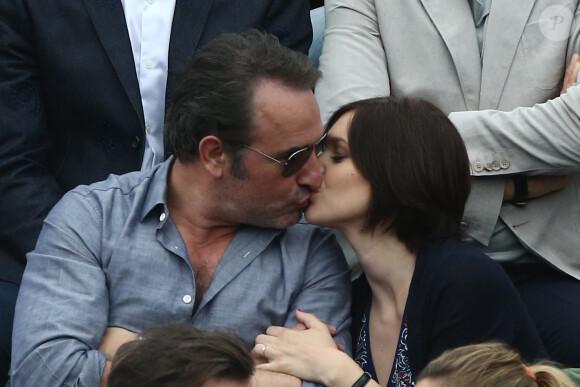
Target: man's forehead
x,y
282,110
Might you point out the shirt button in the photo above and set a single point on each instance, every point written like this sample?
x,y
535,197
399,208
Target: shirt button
x,y
151,1
187,299
148,63
148,128
162,217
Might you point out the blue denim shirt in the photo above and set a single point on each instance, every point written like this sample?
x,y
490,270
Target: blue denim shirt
x,y
110,255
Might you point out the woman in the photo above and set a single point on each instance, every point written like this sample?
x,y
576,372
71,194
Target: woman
x,y
489,364
395,184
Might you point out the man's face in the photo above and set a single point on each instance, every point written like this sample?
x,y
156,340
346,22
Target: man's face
x,y
284,120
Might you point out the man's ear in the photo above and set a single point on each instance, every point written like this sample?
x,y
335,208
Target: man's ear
x,y
213,156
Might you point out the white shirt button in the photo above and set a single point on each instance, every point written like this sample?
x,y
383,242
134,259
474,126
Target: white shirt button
x,y
187,299
162,217
151,1
148,128
148,63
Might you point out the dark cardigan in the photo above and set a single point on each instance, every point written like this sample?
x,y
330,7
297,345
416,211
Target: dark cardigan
x,y
458,296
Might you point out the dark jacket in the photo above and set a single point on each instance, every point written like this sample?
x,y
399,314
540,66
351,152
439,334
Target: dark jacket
x,y
458,296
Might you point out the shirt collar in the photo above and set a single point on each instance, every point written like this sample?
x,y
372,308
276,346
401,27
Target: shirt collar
x,y
157,192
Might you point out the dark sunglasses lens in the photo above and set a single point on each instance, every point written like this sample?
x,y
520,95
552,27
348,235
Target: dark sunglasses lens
x,y
296,161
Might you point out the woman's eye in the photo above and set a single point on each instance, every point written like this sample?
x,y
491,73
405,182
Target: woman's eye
x,y
337,157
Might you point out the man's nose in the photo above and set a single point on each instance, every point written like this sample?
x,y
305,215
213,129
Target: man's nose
x,y
311,173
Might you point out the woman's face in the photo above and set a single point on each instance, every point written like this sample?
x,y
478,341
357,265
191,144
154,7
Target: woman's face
x,y
344,196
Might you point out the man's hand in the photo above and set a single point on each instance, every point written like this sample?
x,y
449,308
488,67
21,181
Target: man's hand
x,y
571,74
113,338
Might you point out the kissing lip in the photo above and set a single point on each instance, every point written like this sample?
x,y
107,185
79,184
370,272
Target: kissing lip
x,y
306,201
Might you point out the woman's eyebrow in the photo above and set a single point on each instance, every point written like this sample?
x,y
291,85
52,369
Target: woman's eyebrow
x,y
336,139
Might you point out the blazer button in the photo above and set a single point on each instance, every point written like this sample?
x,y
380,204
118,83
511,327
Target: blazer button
x,y
495,165
488,166
136,142
478,166
504,164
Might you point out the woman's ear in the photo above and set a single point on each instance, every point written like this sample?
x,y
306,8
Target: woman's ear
x,y
213,156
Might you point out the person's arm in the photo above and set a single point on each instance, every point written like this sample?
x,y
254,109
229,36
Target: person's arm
x,y
290,21
326,286
353,61
309,354
62,309
325,289
28,190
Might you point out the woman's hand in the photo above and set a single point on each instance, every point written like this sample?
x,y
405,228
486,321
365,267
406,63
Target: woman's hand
x,y
571,74
309,354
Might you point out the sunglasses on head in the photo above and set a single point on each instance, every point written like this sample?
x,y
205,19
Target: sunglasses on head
x,y
297,159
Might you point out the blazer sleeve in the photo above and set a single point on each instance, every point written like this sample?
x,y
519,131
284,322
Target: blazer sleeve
x,y
353,61
28,190
540,140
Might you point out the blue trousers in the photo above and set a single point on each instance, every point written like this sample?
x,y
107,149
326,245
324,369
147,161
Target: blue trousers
x,y
8,294
553,301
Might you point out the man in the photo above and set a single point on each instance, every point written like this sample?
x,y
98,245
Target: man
x,y
492,66
179,355
200,238
83,94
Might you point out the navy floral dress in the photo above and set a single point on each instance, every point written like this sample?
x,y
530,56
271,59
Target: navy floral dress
x,y
401,375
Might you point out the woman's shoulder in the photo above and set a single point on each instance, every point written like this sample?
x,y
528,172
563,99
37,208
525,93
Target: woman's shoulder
x,y
452,262
445,254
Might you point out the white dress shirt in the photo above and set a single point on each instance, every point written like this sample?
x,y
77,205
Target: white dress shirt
x,y
149,24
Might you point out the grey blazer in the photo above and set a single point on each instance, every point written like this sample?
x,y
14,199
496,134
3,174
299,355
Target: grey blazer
x,y
506,105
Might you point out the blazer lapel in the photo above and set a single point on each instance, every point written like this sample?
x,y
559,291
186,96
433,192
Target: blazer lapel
x,y
505,26
454,21
109,21
188,24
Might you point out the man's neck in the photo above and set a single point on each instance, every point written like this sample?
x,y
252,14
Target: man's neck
x,y
189,195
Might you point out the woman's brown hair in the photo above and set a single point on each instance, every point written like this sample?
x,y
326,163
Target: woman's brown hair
x,y
416,163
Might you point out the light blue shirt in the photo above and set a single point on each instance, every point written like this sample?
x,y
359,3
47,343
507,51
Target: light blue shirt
x,y
110,255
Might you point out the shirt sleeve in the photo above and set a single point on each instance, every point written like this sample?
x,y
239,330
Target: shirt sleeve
x,y
326,289
62,308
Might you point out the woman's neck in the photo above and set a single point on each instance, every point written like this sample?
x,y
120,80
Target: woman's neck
x,y
388,265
